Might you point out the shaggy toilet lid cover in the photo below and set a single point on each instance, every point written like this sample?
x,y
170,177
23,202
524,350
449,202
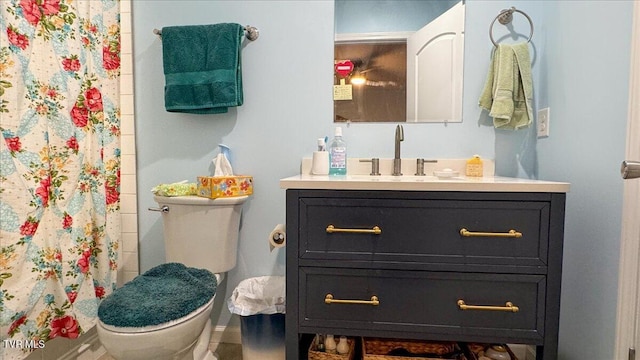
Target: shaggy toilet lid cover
x,y
164,293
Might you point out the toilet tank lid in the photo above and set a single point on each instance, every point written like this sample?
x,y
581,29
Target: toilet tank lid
x,y
164,293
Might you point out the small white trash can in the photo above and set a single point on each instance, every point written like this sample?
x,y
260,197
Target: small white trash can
x,y
260,302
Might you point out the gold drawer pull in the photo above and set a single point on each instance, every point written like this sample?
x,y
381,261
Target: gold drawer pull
x,y
330,300
511,234
375,230
508,306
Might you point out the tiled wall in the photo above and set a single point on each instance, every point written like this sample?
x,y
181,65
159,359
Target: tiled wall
x,y
128,203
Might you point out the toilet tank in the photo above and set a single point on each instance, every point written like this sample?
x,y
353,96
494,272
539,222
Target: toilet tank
x,y
201,232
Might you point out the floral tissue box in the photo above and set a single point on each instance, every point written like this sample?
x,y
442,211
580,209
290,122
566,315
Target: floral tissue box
x,y
224,186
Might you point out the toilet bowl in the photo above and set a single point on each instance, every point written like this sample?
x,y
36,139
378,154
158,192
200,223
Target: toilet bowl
x,y
185,338
200,234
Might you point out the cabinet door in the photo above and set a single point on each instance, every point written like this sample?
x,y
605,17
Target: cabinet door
x,y
425,232
379,302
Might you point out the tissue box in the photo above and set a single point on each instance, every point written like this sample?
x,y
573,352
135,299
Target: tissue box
x,y
224,186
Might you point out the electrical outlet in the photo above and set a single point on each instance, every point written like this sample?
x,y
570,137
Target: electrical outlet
x,y
543,122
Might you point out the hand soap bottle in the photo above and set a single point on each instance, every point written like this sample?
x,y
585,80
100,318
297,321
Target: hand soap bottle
x,y
474,167
338,154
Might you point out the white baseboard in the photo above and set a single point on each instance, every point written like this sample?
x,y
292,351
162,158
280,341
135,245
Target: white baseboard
x,y
226,334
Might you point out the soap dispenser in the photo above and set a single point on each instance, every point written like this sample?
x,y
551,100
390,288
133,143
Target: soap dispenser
x,y
338,154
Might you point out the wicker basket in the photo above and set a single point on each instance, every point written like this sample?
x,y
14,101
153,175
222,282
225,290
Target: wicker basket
x,y
314,354
472,349
392,349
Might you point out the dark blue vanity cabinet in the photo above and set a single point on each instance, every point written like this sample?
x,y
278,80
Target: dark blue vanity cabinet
x,y
436,265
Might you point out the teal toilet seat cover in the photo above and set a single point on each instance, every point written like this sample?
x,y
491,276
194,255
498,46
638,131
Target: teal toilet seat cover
x,y
166,292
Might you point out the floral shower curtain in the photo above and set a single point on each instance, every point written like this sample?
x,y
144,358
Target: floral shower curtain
x,y
59,167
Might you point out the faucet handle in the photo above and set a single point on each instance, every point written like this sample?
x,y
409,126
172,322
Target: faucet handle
x,y
375,166
420,165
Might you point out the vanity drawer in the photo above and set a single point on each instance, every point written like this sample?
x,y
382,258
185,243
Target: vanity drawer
x,y
419,231
423,302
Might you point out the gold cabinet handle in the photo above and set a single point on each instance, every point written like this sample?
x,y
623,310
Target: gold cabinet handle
x,y
510,234
375,230
508,306
330,300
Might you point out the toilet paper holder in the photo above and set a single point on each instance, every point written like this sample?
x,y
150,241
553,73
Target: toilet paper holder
x,y
277,237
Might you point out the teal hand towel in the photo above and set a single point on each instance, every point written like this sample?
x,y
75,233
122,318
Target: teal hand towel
x,y
202,68
508,90
164,293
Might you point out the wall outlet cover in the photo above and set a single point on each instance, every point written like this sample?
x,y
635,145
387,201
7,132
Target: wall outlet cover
x,y
543,122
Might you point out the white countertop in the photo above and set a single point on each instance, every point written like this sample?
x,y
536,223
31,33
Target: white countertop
x,y
421,183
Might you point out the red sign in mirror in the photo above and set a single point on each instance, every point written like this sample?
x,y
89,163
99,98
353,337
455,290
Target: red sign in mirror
x,y
344,68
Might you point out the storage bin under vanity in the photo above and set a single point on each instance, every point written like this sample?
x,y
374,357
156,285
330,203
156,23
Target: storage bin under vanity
x,y
315,354
396,349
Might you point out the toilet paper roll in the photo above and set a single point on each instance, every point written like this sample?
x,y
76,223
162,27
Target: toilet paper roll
x,y
277,237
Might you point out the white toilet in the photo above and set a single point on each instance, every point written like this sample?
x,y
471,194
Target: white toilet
x,y
199,233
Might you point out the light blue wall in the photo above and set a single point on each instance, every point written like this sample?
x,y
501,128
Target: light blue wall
x,y
585,80
362,16
287,105
581,55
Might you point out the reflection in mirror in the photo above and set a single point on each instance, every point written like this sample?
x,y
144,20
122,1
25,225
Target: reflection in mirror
x,y
398,60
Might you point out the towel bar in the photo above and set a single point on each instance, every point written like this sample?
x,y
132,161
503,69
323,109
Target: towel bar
x,y
252,33
505,18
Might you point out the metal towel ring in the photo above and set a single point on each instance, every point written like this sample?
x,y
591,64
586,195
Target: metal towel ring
x,y
505,18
